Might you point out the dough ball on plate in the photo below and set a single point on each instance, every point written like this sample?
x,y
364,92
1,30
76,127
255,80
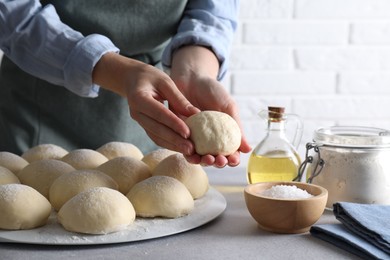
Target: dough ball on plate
x,y
191,175
22,207
161,196
214,133
155,157
7,177
84,159
126,171
119,149
69,185
12,162
41,174
44,151
98,210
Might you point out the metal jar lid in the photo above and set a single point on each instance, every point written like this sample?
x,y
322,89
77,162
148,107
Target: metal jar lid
x,y
353,137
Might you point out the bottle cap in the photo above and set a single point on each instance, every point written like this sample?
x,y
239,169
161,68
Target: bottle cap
x,y
275,113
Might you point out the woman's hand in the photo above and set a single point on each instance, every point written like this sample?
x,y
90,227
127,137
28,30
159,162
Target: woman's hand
x,y
146,88
194,70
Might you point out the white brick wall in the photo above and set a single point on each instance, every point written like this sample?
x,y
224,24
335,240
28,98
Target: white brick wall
x,y
325,60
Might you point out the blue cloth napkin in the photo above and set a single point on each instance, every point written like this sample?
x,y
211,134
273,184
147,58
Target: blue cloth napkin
x,y
340,236
364,229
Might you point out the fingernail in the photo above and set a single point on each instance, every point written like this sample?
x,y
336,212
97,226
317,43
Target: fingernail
x,y
185,135
185,149
192,109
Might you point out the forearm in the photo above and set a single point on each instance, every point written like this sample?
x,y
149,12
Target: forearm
x,y
113,71
209,23
194,60
39,43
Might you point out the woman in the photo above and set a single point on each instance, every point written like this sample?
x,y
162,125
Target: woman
x,y
105,55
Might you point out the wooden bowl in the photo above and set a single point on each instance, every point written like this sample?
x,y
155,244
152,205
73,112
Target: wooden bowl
x,y
285,215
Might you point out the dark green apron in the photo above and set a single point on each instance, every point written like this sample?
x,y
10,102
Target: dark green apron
x,y
33,111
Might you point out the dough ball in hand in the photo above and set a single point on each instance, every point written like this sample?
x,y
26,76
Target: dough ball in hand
x,y
22,207
214,133
44,151
69,185
161,196
153,158
126,171
84,159
41,174
98,210
12,162
191,175
119,149
7,177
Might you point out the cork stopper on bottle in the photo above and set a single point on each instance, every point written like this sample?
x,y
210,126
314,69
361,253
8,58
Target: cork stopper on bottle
x,y
275,113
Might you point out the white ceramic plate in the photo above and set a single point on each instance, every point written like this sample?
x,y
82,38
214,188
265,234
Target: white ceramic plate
x,y
206,209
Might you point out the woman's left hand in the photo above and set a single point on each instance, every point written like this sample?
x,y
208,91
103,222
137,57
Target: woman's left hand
x,y
194,71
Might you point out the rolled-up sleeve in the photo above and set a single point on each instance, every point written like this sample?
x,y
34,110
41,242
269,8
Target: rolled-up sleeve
x,y
35,39
209,23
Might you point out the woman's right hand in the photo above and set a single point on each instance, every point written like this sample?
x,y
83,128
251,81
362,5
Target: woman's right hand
x,y
146,88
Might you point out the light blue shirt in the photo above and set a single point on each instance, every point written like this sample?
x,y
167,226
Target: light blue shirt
x,y
35,39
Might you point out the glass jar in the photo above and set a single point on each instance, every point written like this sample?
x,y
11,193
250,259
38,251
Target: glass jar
x,y
355,164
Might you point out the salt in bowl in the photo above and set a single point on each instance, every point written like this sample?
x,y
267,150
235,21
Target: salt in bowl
x,y
285,215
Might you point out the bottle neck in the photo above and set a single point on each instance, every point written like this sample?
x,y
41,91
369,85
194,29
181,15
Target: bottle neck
x,y
277,129
276,126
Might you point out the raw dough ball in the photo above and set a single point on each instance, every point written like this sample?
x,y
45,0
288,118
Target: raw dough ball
x,y
41,174
161,196
12,162
68,185
7,177
155,157
191,175
22,207
44,151
126,171
84,159
214,133
119,149
98,210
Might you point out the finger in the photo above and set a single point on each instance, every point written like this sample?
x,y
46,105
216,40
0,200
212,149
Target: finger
x,y
194,158
177,100
165,137
233,111
151,108
244,147
220,161
181,147
234,159
207,160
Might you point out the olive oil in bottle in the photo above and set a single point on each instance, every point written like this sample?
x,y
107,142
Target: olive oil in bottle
x,y
265,168
275,158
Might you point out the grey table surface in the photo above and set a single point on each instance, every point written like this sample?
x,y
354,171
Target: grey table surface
x,y
232,235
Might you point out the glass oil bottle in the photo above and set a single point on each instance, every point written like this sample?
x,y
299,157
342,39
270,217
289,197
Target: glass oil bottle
x,y
275,158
